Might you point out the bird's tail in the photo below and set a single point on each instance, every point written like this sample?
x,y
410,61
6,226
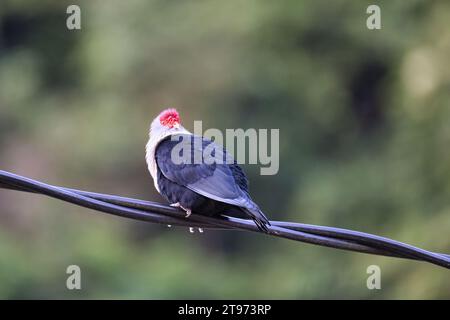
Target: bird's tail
x,y
259,218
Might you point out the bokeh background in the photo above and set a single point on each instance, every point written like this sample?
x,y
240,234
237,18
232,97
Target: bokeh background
x,y
364,123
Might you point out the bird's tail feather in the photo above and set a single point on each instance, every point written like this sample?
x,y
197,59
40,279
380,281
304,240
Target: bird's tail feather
x,y
259,218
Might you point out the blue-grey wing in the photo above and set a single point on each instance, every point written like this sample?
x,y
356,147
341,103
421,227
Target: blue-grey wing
x,y
204,167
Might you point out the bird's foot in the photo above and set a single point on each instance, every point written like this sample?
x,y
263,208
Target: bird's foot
x,y
178,205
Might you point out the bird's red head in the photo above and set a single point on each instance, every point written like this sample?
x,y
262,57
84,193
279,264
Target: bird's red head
x,y
169,118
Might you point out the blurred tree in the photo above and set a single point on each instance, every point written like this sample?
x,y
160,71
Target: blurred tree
x,y
364,121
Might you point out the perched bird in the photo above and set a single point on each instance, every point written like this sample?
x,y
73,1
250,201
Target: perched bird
x,y
204,187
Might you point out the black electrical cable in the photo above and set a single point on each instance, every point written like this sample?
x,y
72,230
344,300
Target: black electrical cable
x,y
158,213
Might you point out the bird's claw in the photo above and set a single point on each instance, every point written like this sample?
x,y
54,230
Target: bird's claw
x,y
178,205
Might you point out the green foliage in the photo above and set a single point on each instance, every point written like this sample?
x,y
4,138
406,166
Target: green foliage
x,y
364,122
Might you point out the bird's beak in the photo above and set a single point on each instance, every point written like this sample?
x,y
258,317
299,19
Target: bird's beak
x,y
176,125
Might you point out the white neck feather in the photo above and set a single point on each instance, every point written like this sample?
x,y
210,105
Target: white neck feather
x,y
155,138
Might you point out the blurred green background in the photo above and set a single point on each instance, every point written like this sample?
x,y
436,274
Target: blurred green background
x,y
364,122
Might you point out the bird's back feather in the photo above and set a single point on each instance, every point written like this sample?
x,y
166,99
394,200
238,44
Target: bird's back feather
x,y
224,181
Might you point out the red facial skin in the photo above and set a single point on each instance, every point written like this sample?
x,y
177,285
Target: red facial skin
x,y
169,118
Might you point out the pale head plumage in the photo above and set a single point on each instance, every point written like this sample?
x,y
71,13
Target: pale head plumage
x,y
167,123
